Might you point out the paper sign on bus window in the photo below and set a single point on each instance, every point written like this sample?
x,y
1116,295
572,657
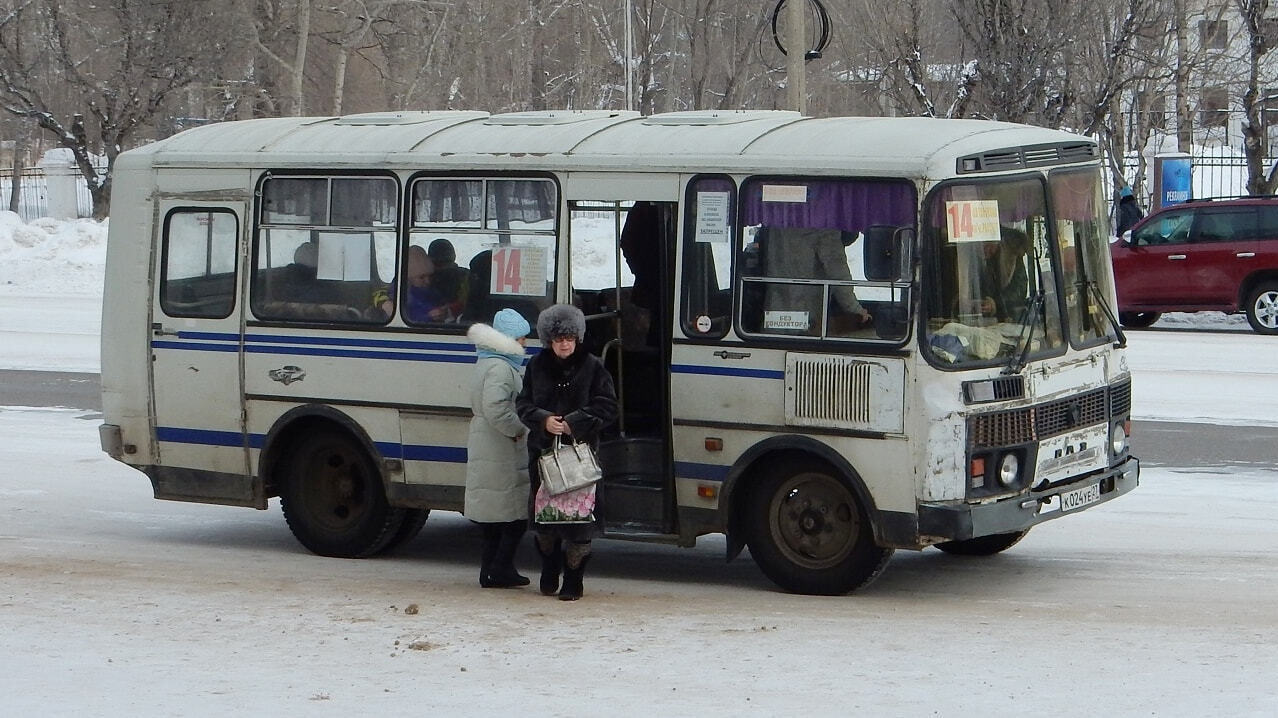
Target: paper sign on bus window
x,y
786,320
785,193
344,257
518,271
712,216
972,220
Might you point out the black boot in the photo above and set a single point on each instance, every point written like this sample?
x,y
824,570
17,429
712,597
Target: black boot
x,y
492,535
579,554
502,573
552,562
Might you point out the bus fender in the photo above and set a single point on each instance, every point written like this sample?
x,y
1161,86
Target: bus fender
x,y
736,487
298,420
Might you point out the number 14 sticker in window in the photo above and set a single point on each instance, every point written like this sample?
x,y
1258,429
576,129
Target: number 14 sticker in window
x,y
518,271
972,220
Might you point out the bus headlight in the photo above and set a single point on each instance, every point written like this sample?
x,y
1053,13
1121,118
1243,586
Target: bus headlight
x,y
1118,439
1009,470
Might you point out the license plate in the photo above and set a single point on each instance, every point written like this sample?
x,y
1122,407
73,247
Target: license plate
x,y
1078,498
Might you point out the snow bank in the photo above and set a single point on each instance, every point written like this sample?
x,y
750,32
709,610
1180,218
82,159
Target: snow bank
x,y
51,257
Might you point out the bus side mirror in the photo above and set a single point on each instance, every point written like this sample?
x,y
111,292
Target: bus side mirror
x,y
888,251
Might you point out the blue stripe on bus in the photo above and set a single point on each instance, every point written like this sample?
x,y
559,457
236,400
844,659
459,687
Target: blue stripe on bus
x,y
362,354
195,346
726,371
208,437
706,472
350,342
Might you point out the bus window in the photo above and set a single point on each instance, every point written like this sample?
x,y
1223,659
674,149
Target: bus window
x,y
199,263
707,256
1082,239
824,258
476,246
325,248
992,273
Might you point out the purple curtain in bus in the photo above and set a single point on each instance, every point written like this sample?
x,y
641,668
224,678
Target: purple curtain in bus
x,y
849,206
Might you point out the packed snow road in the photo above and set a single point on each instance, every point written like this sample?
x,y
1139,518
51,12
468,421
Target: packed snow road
x,y
112,603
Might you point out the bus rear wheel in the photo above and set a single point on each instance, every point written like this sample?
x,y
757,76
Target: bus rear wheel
x,y
983,545
809,534
333,499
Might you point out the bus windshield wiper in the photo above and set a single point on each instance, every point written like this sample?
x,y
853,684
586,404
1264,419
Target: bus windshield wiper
x,y
1016,362
1094,289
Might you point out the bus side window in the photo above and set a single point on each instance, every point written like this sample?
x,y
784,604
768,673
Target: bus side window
x,y
199,263
707,256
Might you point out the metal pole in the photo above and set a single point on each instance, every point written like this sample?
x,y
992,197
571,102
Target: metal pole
x,y
630,52
796,47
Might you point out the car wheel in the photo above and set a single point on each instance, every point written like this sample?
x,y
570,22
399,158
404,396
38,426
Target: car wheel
x,y
1262,308
809,534
1137,320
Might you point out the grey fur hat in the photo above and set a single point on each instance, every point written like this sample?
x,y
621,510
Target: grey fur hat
x,y
560,320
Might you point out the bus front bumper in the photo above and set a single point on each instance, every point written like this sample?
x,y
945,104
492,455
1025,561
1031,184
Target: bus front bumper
x,y
960,521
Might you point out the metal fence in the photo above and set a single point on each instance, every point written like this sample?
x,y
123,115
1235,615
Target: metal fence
x,y
1218,171
33,193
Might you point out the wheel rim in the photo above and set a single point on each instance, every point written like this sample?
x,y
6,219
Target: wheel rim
x,y
814,521
335,492
1266,309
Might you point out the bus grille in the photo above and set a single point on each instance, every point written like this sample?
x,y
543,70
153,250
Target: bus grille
x,y
1021,426
1120,398
831,391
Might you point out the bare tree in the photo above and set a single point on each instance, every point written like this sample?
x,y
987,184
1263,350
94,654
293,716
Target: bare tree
x,y
119,60
1256,32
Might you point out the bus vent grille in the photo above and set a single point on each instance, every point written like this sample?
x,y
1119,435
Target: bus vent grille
x,y
1002,428
830,391
1064,415
1021,426
1120,398
1031,156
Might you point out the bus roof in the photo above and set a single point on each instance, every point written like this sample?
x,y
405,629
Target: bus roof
x,y
754,141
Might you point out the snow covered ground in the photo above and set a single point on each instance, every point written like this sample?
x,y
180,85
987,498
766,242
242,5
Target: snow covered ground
x,y
1164,602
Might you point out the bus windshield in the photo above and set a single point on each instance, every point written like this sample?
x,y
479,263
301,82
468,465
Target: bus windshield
x,y
991,273
1082,235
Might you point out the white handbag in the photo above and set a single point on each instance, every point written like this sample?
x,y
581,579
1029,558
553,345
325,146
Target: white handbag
x,y
568,466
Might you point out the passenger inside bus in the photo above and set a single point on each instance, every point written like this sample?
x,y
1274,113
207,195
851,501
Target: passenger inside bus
x,y
809,253
424,303
450,281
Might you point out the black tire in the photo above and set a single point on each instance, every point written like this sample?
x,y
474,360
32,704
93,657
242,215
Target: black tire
x,y
1137,320
1262,308
809,534
414,520
984,545
333,498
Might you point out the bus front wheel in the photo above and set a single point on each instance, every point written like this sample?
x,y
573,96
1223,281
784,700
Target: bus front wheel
x,y
333,499
983,545
809,534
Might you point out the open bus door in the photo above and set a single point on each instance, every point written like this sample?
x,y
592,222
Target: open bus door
x,y
627,307
196,352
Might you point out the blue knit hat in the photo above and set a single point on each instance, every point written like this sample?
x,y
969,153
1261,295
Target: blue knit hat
x,y
1125,192
511,323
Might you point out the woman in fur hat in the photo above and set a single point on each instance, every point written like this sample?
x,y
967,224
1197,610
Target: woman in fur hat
x,y
567,392
496,457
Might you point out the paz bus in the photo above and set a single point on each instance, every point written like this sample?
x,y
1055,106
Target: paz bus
x,y
831,337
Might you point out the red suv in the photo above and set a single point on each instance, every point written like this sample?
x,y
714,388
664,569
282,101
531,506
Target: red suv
x,y
1201,256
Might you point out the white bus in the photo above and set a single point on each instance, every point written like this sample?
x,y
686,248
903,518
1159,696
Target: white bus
x,y
831,338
